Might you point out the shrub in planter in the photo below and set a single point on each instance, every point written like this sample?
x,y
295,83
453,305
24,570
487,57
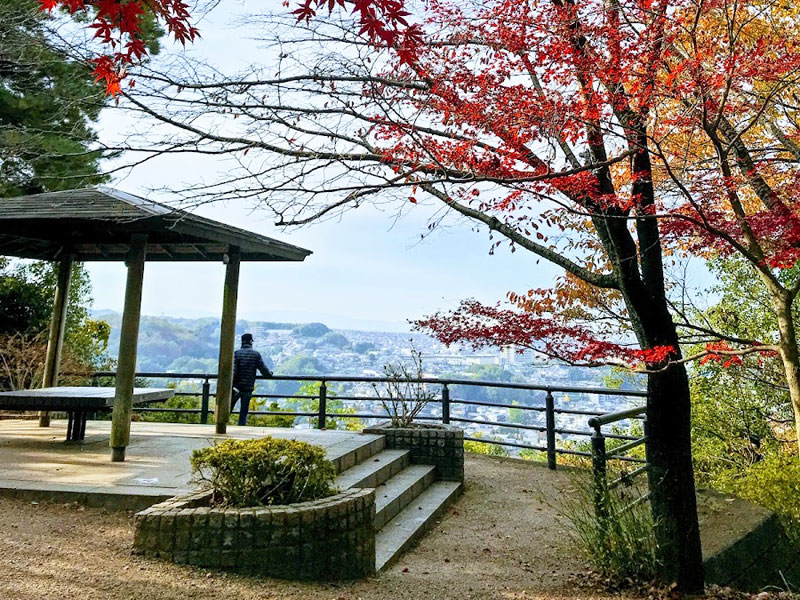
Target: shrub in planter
x,y
263,472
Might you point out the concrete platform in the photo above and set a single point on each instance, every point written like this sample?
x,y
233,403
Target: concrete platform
x,y
36,463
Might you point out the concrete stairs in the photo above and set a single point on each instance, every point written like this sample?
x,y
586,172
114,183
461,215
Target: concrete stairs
x,y
408,497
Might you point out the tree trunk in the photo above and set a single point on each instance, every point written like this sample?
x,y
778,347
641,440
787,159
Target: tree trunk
x,y
669,447
789,357
671,479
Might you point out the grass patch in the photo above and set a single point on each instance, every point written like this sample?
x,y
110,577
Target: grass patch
x,y
616,537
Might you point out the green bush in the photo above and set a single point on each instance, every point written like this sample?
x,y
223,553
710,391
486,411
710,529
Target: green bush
x,y
483,447
264,472
267,420
773,483
177,401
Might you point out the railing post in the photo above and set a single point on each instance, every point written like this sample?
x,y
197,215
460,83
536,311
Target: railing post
x,y
204,402
646,430
445,404
599,468
550,415
646,434
323,405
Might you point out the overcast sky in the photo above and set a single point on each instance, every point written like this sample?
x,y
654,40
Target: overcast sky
x,y
368,270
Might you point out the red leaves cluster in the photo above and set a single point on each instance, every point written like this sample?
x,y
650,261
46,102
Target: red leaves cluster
x,y
490,115
478,325
777,230
720,352
384,22
118,25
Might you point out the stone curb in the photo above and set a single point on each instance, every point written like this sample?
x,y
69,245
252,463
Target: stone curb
x,y
328,539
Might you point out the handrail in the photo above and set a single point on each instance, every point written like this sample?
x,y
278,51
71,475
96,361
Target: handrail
x,y
602,488
432,380
547,409
620,415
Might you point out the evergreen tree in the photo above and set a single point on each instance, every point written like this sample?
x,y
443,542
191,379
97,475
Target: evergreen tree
x,y
48,104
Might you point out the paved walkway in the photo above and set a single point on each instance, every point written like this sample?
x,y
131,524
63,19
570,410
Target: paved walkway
x,y
34,460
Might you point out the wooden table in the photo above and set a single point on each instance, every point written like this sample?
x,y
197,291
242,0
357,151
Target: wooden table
x,y
77,402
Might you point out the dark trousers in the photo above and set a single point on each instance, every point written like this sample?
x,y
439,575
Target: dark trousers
x,y
244,396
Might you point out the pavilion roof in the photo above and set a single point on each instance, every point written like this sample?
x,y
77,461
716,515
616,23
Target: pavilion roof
x,y
97,223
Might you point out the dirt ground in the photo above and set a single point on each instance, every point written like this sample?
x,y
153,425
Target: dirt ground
x,y
501,540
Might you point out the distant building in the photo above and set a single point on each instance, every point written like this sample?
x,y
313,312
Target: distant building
x,y
513,354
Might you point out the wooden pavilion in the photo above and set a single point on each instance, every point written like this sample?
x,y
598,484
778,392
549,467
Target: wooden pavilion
x,y
103,224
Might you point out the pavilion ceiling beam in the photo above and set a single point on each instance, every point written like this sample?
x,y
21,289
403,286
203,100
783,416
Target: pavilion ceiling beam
x,y
166,251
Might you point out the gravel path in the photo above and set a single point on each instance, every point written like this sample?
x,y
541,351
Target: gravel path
x,y
498,541
501,540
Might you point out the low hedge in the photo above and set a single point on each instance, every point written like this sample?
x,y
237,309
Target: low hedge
x,y
264,472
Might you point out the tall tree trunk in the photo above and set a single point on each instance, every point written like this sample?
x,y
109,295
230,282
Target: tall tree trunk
x,y
669,452
671,476
669,447
789,356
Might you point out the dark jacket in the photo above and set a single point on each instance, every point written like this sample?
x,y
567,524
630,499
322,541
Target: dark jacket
x,y
245,362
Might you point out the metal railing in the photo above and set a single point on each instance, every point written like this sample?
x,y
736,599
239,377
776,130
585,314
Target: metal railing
x,y
601,456
453,410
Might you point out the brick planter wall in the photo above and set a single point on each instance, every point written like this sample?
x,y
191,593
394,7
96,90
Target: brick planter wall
x,y
326,539
430,444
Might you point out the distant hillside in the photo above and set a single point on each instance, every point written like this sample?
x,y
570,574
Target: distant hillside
x,y
180,344
192,345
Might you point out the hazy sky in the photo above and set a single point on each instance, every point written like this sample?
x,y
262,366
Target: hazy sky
x,y
368,270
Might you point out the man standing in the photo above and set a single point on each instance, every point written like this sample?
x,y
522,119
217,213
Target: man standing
x,y
245,362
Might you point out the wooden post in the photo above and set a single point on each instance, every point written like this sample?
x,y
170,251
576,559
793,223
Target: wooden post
x,y
227,341
129,338
55,339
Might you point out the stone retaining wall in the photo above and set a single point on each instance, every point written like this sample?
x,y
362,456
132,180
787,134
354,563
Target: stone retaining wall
x,y
430,444
326,539
764,557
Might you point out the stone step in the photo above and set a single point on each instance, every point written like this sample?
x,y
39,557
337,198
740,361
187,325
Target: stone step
x,y
413,521
374,470
394,495
354,450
